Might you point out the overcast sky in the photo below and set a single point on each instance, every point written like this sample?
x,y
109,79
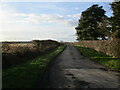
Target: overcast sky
x,y
42,20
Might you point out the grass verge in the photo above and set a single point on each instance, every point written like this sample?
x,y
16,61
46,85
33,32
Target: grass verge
x,y
27,74
113,63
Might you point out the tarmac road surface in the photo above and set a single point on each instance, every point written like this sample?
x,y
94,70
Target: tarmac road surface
x,y
72,70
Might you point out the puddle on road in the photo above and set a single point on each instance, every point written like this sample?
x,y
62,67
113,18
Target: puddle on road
x,y
81,82
69,74
104,69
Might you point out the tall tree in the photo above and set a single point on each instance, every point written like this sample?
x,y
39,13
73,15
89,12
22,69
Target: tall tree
x,y
88,27
115,19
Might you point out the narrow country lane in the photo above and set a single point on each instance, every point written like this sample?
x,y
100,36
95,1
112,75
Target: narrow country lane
x,y
72,70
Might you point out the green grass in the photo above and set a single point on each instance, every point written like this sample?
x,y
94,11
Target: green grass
x,y
27,74
113,63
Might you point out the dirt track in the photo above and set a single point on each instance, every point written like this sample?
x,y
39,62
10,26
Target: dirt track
x,y
72,70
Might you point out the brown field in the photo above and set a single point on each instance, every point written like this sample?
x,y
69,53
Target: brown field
x,y
12,48
16,53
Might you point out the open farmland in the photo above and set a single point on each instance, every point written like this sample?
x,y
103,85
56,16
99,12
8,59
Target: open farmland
x,y
14,53
12,48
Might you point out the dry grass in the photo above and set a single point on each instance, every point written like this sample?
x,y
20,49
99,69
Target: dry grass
x,y
12,48
16,53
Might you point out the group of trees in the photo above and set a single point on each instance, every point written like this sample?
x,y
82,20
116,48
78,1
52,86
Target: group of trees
x,y
115,19
95,25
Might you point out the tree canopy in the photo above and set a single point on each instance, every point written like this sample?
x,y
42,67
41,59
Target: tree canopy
x,y
89,26
115,20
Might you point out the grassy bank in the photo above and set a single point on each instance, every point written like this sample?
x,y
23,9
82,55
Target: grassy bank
x,y
27,74
113,63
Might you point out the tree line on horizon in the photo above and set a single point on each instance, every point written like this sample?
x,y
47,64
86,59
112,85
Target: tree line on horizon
x,y
95,25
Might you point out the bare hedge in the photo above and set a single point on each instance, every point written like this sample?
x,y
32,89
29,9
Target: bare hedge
x,y
110,47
